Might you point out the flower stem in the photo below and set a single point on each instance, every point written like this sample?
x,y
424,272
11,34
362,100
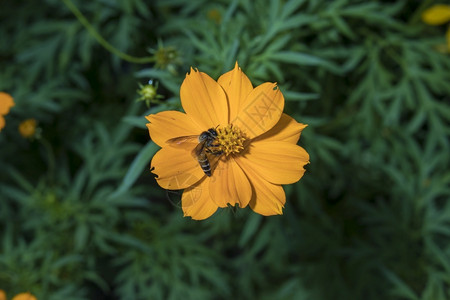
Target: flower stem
x,y
102,41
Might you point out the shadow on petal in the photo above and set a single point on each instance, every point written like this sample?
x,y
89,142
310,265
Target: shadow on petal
x,y
176,168
196,201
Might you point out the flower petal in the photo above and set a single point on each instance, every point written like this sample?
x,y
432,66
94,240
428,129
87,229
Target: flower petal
x,y
261,110
267,199
229,184
6,102
170,124
286,130
196,201
176,168
204,100
437,15
276,162
237,86
2,122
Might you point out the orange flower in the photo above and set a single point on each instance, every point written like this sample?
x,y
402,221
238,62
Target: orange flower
x,y
21,296
214,15
250,146
6,102
24,296
27,128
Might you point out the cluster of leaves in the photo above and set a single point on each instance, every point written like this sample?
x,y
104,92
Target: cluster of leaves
x,y
82,218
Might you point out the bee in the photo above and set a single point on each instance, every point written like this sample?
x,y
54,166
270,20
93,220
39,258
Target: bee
x,y
205,146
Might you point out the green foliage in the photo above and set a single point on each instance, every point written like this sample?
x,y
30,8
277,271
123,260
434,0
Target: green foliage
x,y
81,216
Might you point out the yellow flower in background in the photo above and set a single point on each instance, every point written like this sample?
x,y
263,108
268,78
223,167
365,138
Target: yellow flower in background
x,y
233,145
21,296
214,15
24,296
6,102
438,14
27,128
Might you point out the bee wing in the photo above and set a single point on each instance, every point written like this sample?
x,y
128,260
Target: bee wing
x,y
198,149
183,139
213,160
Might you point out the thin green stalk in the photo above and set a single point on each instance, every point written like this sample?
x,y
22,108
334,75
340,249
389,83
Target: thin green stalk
x,y
51,158
102,41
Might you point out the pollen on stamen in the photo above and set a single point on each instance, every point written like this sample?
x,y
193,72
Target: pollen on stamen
x,y
230,139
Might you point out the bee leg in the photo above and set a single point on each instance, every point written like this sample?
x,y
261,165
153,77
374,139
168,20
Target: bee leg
x,y
214,152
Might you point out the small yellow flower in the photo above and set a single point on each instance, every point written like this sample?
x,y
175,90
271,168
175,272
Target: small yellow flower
x,y
2,295
27,128
6,102
149,93
438,14
250,144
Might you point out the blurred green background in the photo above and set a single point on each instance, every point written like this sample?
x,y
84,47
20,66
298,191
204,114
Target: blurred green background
x,y
81,216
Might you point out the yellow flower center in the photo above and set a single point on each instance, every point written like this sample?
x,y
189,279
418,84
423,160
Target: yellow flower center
x,y
230,139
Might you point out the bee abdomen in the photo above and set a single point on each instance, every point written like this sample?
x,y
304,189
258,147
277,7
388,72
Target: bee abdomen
x,y
207,171
206,167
